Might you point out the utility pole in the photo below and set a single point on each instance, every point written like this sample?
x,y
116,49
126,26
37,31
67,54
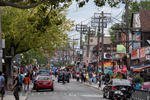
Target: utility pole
x,y
0,42
102,42
89,32
81,42
96,23
127,35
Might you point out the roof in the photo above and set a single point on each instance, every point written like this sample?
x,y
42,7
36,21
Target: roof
x,y
145,20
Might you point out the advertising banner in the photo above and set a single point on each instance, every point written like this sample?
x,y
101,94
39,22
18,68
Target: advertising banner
x,y
142,52
137,37
135,54
147,51
121,49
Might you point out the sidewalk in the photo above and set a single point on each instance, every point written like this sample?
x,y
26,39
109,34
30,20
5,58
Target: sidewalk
x,y
11,97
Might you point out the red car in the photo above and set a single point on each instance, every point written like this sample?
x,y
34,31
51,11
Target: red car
x,y
44,82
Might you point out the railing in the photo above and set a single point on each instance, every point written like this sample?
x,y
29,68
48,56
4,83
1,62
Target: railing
x,y
141,95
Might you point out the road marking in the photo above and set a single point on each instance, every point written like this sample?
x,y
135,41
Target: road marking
x,y
26,94
92,95
38,93
32,94
20,94
44,93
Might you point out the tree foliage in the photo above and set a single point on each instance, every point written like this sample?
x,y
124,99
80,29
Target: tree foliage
x,y
39,29
27,4
28,57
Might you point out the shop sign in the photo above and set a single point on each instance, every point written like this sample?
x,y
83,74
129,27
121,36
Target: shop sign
x,y
142,52
135,54
147,51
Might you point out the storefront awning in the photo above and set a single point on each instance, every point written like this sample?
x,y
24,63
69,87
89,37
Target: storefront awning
x,y
141,63
142,66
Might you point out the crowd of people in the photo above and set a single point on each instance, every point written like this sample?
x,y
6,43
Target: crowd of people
x,y
91,78
18,82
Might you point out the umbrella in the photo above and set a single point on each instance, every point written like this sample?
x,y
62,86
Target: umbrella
x,y
124,70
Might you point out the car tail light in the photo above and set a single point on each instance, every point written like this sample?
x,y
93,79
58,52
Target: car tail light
x,y
113,88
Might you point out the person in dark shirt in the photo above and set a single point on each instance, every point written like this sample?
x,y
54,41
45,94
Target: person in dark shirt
x,y
90,77
63,78
15,86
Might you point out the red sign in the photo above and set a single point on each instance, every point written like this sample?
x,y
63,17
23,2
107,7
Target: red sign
x,y
142,52
135,54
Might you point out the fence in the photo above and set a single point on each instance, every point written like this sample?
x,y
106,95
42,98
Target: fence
x,y
140,95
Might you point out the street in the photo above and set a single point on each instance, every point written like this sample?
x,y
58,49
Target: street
x,y
69,91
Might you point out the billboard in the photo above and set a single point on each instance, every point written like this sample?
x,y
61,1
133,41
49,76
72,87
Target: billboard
x,y
142,52
121,49
135,54
137,36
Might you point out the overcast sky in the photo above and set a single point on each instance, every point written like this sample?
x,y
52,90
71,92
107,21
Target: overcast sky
x,y
85,13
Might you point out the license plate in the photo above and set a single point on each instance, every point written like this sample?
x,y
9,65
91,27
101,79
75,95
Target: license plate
x,y
44,83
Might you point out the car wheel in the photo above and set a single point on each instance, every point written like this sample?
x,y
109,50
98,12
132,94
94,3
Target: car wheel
x,y
108,96
52,89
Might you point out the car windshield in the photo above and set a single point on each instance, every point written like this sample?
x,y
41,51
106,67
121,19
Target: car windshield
x,y
121,82
44,78
66,73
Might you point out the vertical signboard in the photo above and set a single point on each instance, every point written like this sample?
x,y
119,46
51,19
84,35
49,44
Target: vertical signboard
x,y
142,52
135,54
147,52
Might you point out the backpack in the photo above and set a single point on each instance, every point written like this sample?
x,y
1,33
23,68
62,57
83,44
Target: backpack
x,y
103,78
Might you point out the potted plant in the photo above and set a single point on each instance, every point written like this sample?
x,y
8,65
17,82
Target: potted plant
x,y
137,81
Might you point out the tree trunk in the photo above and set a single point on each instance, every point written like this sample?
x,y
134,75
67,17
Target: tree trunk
x,y
8,73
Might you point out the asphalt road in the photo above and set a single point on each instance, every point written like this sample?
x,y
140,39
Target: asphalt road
x,y
69,91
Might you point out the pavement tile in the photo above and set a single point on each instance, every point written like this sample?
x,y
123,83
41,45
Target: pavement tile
x,y
11,97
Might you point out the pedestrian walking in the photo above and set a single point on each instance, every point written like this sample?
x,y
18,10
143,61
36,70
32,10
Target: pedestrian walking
x,y
87,77
84,75
94,77
31,77
63,78
99,80
78,76
102,79
26,80
16,86
2,85
90,78
107,77
20,80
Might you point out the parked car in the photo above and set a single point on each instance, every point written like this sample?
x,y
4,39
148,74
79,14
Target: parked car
x,y
118,89
44,82
67,77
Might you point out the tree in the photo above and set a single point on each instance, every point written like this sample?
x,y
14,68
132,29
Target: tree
x,y
41,29
28,57
27,4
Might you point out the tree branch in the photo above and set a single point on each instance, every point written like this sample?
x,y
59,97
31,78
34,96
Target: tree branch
x,y
22,51
7,3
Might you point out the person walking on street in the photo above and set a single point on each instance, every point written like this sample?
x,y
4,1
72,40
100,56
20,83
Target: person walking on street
x,y
102,79
84,77
78,76
107,78
2,85
26,80
15,86
90,78
20,80
99,80
87,77
94,77
63,78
